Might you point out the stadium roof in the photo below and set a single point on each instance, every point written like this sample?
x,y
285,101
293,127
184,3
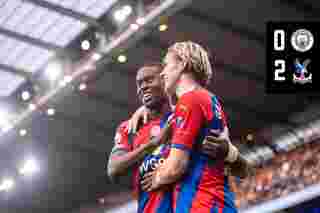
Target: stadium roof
x,y
33,31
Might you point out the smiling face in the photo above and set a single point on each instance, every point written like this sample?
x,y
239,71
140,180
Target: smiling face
x,y
187,57
150,86
173,67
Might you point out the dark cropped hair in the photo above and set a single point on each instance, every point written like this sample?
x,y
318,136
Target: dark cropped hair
x,y
158,65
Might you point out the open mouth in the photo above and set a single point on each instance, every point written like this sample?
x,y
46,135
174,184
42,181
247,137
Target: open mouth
x,y
147,97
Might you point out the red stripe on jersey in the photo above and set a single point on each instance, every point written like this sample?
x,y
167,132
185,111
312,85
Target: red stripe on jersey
x,y
153,202
189,117
210,189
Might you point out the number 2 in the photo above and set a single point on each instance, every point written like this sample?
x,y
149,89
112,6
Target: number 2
x,y
281,67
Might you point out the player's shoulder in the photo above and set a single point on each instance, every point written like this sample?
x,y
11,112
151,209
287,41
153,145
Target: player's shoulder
x,y
201,96
124,123
123,126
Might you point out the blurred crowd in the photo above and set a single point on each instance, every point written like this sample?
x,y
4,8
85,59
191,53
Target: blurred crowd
x,y
286,173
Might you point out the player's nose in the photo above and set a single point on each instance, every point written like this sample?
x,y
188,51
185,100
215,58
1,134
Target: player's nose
x,y
162,74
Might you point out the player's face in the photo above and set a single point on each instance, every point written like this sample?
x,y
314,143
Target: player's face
x,y
150,87
171,72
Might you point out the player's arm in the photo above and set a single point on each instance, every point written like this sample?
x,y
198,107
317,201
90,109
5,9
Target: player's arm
x,y
241,167
174,167
219,146
122,157
169,172
121,160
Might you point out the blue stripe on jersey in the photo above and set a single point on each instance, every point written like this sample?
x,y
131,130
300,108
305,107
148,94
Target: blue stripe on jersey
x,y
189,183
228,205
228,197
166,203
164,119
217,122
214,208
225,209
143,199
180,146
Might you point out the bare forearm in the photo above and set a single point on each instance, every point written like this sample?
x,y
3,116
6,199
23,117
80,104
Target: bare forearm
x,y
165,176
171,170
241,168
120,162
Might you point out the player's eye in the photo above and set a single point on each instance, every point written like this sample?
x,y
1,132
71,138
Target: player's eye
x,y
150,80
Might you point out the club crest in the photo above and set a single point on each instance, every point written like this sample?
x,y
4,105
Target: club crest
x,y
302,40
301,72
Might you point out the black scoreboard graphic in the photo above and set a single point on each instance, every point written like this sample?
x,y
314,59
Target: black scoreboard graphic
x,y
293,57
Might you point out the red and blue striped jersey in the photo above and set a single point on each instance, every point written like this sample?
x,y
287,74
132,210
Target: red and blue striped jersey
x,y
159,201
204,188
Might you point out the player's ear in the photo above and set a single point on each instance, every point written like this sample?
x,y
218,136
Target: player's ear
x,y
183,66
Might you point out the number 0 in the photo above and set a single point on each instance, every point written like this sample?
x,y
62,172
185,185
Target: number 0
x,y
281,67
278,45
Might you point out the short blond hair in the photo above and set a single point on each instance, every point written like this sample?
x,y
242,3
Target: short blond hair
x,y
197,59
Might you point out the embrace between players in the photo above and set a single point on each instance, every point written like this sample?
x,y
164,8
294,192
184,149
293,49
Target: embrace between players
x,y
177,144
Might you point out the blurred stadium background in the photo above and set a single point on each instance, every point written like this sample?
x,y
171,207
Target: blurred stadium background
x,y
67,78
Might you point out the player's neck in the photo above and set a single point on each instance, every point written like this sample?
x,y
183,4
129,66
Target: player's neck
x,y
159,111
186,84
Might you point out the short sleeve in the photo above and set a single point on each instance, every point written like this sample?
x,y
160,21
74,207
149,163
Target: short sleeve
x,y
218,111
188,119
121,140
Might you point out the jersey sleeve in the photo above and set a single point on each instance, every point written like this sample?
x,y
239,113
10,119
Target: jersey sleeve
x,y
188,119
218,111
121,139
219,119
